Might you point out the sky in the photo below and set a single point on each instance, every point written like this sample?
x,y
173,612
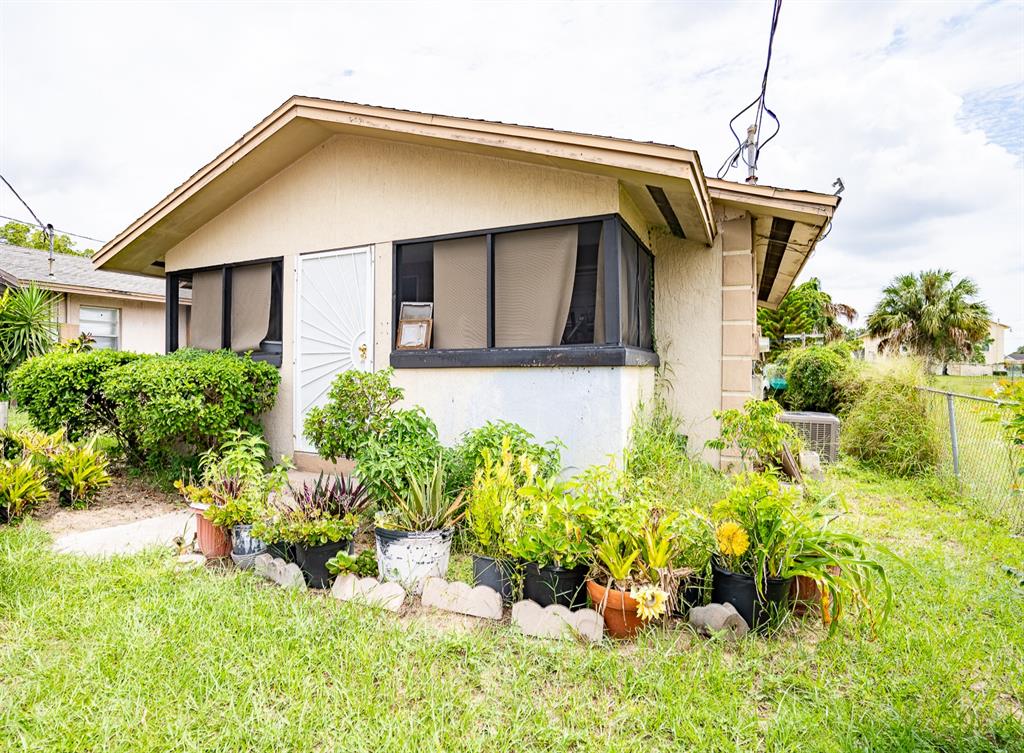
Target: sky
x,y
917,106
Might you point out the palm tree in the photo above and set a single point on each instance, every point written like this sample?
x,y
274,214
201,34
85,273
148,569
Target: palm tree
x,y
28,324
930,314
806,309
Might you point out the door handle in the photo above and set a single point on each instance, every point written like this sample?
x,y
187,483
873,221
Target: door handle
x,y
362,352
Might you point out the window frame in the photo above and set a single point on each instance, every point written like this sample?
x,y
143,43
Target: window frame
x,y
613,352
117,320
172,305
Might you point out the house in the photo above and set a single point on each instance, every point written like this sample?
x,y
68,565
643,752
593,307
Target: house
x,y
121,311
994,351
560,269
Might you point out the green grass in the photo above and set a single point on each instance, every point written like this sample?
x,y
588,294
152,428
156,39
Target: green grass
x,y
132,655
979,386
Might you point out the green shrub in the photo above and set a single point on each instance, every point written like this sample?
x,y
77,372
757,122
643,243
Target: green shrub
x,y
360,422
757,433
79,473
179,405
63,389
888,427
464,459
22,488
816,376
359,408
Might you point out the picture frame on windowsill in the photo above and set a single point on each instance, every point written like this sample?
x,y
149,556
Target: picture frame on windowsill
x,y
414,334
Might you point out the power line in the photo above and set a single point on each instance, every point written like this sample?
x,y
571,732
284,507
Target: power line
x,y
750,150
25,203
56,230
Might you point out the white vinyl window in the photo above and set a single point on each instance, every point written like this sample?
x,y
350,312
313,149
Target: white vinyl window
x,y
104,325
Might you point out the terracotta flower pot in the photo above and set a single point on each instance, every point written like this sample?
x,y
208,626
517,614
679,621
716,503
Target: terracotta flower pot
x,y
805,595
618,609
214,541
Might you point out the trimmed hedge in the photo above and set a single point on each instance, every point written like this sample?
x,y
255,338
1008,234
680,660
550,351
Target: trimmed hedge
x,y
64,389
162,409
186,402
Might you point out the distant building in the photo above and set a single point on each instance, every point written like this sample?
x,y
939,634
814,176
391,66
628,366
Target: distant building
x,y
120,311
995,353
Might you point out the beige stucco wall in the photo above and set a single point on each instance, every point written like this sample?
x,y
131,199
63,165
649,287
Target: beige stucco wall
x,y
352,192
142,322
688,326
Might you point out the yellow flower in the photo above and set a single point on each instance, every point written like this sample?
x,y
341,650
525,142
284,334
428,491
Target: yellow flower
x,y
650,602
732,539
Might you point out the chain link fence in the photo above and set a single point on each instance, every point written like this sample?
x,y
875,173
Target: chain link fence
x,y
977,455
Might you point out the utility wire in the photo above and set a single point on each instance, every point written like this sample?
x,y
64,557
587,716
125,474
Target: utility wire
x,y
56,230
739,153
25,203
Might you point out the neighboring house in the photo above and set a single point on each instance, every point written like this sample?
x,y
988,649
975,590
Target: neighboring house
x,y
121,311
995,354
562,268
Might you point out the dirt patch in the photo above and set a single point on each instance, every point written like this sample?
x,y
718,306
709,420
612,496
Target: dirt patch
x,y
126,500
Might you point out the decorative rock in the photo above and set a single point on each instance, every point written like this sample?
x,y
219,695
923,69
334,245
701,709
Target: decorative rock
x,y
810,464
715,619
370,590
556,621
290,576
261,565
460,597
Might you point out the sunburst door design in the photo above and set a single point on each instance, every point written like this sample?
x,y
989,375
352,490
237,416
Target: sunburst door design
x,y
333,326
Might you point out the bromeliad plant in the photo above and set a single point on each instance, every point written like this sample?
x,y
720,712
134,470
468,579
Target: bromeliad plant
x,y
22,488
325,512
423,505
79,473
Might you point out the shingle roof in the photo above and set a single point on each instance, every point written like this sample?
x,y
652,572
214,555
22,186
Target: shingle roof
x,y
32,265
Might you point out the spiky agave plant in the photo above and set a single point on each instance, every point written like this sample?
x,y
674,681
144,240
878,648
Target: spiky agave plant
x,y
425,506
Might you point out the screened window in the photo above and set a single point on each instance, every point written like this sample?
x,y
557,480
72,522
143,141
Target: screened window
x,y
236,307
103,325
535,287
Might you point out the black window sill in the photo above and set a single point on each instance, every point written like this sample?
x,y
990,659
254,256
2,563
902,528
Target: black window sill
x,y
566,355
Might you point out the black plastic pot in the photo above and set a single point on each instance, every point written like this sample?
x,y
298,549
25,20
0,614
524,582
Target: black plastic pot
x,y
312,561
556,585
741,591
282,551
503,575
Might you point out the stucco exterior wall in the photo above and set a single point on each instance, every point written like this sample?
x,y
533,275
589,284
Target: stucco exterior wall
x,y
589,409
351,192
688,328
142,322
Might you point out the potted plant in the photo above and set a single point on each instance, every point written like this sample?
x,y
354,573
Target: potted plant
x,y
492,498
364,565
319,521
414,533
214,540
634,580
753,529
551,534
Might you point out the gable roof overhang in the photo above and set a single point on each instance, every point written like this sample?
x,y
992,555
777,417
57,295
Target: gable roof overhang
x,y
667,183
788,225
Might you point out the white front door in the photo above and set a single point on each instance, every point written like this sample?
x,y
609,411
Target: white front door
x,y
333,325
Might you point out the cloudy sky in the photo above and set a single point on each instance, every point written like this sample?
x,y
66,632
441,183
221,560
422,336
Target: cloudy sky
x,y
918,106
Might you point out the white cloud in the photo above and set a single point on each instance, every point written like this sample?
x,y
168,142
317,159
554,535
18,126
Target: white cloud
x,y
106,107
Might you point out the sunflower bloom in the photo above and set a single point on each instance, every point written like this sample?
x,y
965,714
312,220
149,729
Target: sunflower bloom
x,y
650,602
732,539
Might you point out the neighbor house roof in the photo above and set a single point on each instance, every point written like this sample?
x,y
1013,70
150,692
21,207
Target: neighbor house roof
x,y
74,274
667,183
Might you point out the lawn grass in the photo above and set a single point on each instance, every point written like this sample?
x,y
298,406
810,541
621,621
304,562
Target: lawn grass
x,y
131,654
979,386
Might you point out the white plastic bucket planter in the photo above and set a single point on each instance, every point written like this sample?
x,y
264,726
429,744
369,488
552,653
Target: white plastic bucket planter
x,y
410,558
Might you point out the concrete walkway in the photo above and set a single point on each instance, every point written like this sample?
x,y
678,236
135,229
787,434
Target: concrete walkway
x,y
129,537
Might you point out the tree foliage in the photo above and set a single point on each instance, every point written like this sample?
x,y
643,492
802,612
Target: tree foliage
x,y
932,315
20,234
806,309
